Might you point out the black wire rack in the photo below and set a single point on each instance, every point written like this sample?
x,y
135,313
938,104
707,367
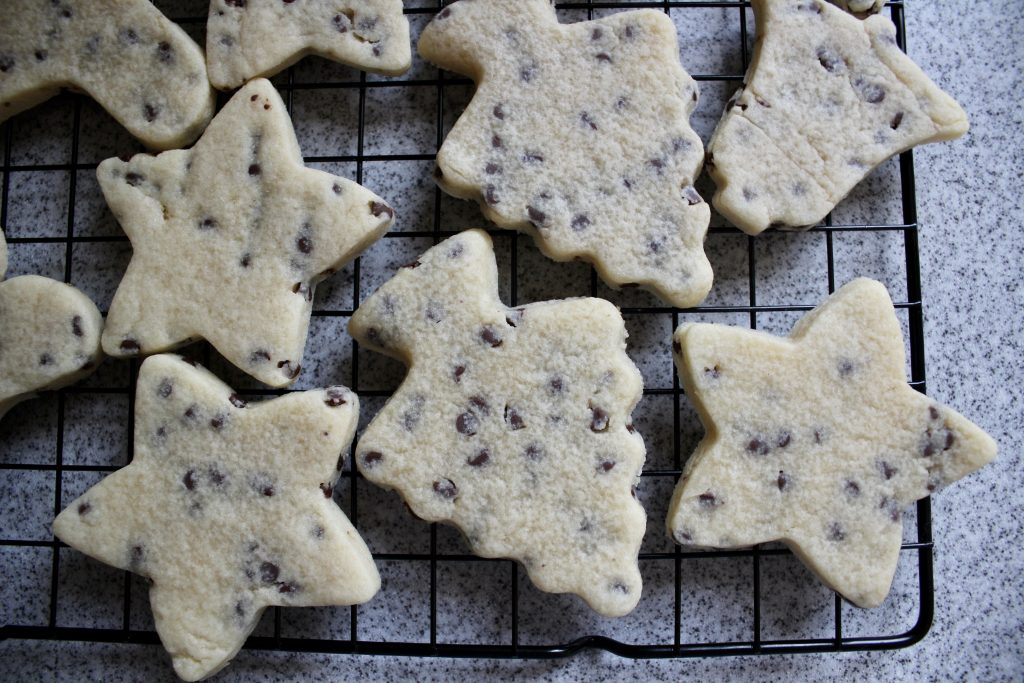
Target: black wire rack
x,y
696,603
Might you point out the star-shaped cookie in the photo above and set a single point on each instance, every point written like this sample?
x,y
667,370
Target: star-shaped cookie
x,y
512,424
227,509
140,66
249,38
826,99
230,238
816,440
49,335
579,135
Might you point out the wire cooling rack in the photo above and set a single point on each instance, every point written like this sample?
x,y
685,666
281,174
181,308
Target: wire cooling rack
x,y
437,599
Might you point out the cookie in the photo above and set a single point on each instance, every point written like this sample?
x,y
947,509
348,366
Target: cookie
x,y
816,440
230,238
250,38
513,424
826,99
579,135
227,508
49,335
140,66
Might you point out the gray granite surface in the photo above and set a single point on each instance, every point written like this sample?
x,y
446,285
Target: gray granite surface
x,y
970,211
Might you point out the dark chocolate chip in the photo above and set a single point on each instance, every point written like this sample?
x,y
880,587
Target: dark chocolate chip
x,y
537,217
217,422
446,488
208,223
708,500
819,435
513,419
380,208
758,447
587,120
896,120
130,347
456,250
259,356
851,488
527,73
534,451
783,439
599,419
490,194
596,34
413,265
836,532
254,169
137,556
83,508
629,31
304,245
846,367
164,52
336,188
762,102
327,490
216,476
749,195
492,169
191,411
237,401
269,572
950,440
872,93
533,158
556,384
498,112
458,372
630,428
6,63
467,423
189,480
480,459
341,23
286,587
165,389
371,458
41,55
580,222
150,112
933,412
491,336
480,404
335,396
783,481
603,57
811,7
830,59
887,470
710,373
691,195
656,164
246,261
45,359
606,466
133,179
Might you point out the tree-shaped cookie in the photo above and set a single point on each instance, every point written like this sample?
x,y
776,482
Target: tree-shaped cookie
x,y
140,66
827,98
227,509
512,424
250,38
49,335
816,440
579,135
229,239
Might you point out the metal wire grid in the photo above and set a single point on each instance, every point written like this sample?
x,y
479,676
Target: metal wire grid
x,y
920,548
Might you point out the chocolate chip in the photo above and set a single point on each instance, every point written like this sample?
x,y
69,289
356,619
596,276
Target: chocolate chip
x,y
164,52
335,396
783,481
846,367
217,422
286,587
189,480
259,356
950,440
710,373
371,458
491,336
556,384
84,508
819,435
513,419
480,404
41,55
445,13
630,428
606,466
708,500
130,347
527,73
691,195
533,158
892,507
327,490
480,459
656,164
446,489
490,195
896,120
137,555
629,31
246,262
872,93
45,359
599,419
456,250
269,572
762,102
812,7
933,412
341,23
749,195
208,223
758,447
467,423
851,488
596,34
580,222
498,112
836,532
191,412
496,141
783,439
237,401
267,491
133,179
537,217
603,57
290,370
457,374
380,208
587,120
336,188
887,470
150,112
830,60
165,389
534,452
6,63
254,169
492,169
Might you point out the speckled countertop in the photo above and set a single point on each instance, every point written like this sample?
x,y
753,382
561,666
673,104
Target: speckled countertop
x,y
970,214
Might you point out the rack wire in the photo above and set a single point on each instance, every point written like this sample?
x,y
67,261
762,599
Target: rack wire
x,y
771,605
